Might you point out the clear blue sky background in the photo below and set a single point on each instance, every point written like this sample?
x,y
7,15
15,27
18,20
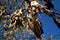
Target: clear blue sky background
x,y
49,27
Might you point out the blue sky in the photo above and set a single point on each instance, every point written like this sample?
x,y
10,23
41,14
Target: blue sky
x,y
49,27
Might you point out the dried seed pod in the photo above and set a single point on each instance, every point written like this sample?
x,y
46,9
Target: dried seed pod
x,y
35,26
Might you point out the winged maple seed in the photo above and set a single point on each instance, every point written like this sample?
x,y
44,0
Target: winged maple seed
x,y
25,19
